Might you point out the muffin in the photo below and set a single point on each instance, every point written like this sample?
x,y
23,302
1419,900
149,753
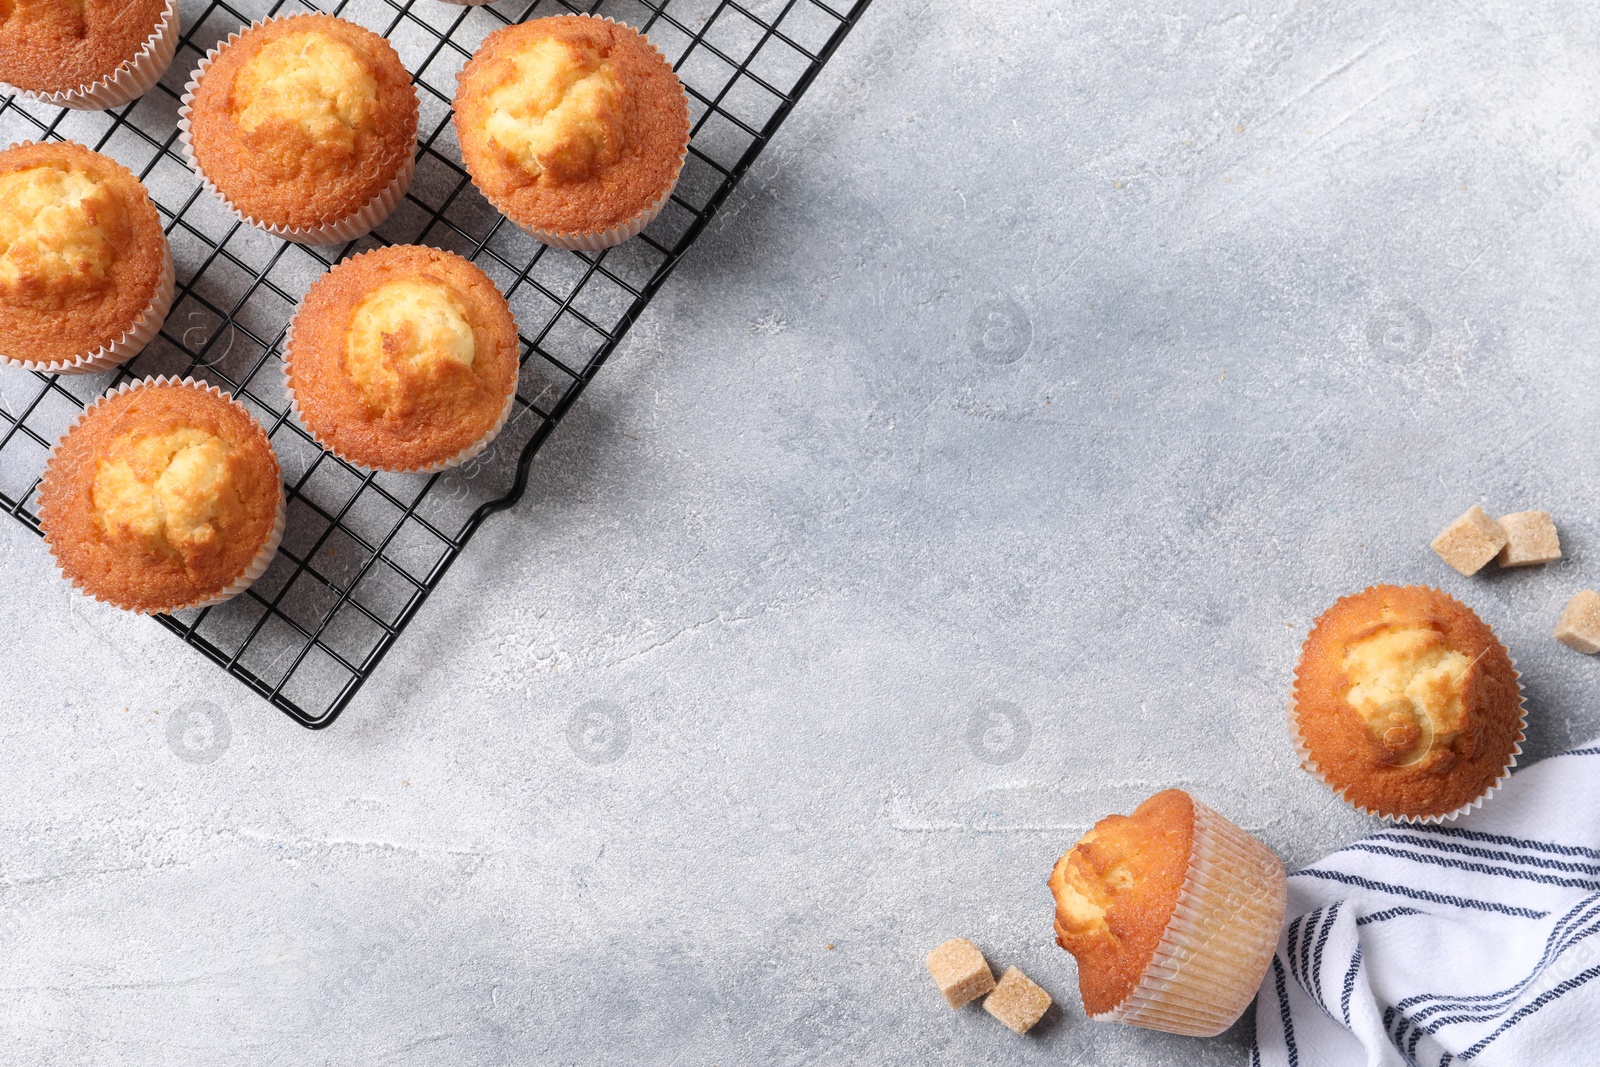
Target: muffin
x,y
85,270
304,126
574,126
86,54
1406,704
1173,914
403,359
163,495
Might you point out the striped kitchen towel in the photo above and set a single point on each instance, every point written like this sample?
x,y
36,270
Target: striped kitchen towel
x,y
1473,942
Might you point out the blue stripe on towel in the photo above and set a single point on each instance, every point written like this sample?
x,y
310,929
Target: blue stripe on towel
x,y
1387,914
1292,947
1486,1012
1592,869
1305,954
1322,939
1476,868
1567,932
1549,847
1394,1028
1411,1046
1283,1011
1350,984
1528,1009
1421,894
1498,1002
1556,942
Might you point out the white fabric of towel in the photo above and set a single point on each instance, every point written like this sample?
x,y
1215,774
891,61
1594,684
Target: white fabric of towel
x,y
1474,942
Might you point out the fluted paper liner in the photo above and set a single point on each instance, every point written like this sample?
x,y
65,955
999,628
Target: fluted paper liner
x,y
131,80
1220,939
1311,765
600,241
132,340
339,231
258,564
466,455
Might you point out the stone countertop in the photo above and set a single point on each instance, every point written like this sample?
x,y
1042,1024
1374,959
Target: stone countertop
x,y
978,474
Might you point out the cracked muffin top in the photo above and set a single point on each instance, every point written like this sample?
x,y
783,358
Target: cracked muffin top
x,y
160,496
571,124
403,357
303,121
1406,702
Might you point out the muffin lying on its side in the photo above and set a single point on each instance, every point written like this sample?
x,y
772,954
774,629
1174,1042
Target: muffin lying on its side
x,y
1173,914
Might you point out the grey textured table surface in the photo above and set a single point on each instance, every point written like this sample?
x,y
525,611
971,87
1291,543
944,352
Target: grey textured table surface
x,y
1056,367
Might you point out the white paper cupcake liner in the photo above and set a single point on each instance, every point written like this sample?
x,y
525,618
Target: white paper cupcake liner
x,y
1220,939
131,80
1315,769
598,242
132,340
258,564
339,231
466,455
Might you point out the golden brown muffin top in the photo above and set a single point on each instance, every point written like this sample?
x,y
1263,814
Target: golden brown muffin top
x,y
52,46
161,496
303,120
1406,701
81,251
571,124
1116,890
402,357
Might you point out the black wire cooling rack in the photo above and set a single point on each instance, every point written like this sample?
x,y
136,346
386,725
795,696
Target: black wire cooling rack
x,y
362,551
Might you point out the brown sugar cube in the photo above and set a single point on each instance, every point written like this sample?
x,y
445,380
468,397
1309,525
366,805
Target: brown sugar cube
x,y
1471,541
1017,1001
960,971
1579,627
1530,538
